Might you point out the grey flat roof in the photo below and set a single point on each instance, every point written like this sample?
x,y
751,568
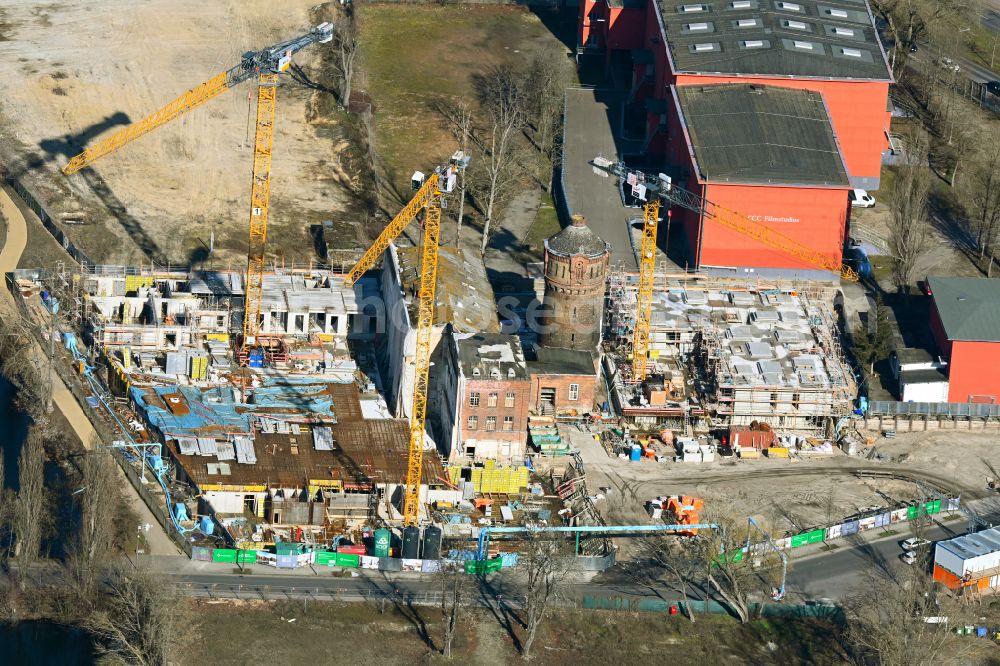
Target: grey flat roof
x,y
590,116
834,39
969,307
973,545
742,133
559,361
923,376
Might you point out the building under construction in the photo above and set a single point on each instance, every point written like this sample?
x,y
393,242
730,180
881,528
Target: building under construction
x,y
728,356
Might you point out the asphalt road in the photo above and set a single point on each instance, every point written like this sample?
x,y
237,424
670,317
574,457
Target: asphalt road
x,y
819,575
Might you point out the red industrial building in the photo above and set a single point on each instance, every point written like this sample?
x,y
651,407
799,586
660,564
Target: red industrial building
x,y
965,322
828,48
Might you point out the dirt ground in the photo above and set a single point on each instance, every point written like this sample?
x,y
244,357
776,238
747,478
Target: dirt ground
x,y
327,633
76,70
790,495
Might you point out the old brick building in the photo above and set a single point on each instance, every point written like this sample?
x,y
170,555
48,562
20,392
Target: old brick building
x,y
576,267
562,380
484,397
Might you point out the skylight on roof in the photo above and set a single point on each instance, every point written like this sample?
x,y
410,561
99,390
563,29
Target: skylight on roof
x,y
690,9
789,6
694,27
741,4
746,23
852,53
844,32
796,25
707,46
839,13
808,46
753,44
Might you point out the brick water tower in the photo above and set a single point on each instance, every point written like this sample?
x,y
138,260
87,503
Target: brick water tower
x,y
576,268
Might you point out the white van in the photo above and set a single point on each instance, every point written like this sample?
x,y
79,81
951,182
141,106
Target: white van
x,y
861,199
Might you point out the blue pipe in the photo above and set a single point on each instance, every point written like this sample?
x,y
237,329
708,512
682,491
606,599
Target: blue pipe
x,y
484,533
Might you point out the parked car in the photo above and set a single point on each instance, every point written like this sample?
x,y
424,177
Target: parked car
x,y
861,199
993,87
908,557
925,287
949,64
913,543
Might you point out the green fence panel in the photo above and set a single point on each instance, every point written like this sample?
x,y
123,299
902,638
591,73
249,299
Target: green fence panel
x,y
347,560
936,508
816,536
246,556
483,566
911,512
223,555
800,539
326,558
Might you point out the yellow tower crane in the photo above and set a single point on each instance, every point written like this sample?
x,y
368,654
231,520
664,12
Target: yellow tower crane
x,y
653,190
430,193
263,65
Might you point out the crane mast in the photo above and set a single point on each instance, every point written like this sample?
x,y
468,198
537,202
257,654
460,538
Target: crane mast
x,y
429,198
654,190
265,65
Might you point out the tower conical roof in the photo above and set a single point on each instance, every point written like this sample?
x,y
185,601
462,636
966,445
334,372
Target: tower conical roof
x,y
575,239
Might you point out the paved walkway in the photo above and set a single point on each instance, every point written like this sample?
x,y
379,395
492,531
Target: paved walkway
x,y
65,402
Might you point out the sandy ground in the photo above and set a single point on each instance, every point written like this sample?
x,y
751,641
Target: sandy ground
x,y
789,495
76,69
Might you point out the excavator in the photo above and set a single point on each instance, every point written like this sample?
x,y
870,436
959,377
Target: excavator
x,y
428,201
264,66
654,190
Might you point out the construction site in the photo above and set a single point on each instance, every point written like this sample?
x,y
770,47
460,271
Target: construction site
x,y
352,384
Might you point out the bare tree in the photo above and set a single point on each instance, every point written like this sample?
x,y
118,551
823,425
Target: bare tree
x,y
97,497
985,200
546,567
139,622
31,500
462,128
908,229
679,563
454,592
500,163
887,620
547,77
735,576
347,44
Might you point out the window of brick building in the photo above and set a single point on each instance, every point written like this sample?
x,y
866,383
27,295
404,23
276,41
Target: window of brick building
x,y
491,423
574,391
474,399
473,423
491,401
508,400
508,423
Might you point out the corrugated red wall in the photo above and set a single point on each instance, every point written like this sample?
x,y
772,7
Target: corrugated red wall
x,y
974,372
820,216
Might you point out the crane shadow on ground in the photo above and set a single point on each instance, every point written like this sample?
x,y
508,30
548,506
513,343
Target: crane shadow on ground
x,y
67,145
72,144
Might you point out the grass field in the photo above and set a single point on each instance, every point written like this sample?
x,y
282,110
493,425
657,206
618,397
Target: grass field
x,y
413,58
329,633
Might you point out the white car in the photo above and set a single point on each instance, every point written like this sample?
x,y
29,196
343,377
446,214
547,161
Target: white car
x,y
913,543
861,199
909,557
